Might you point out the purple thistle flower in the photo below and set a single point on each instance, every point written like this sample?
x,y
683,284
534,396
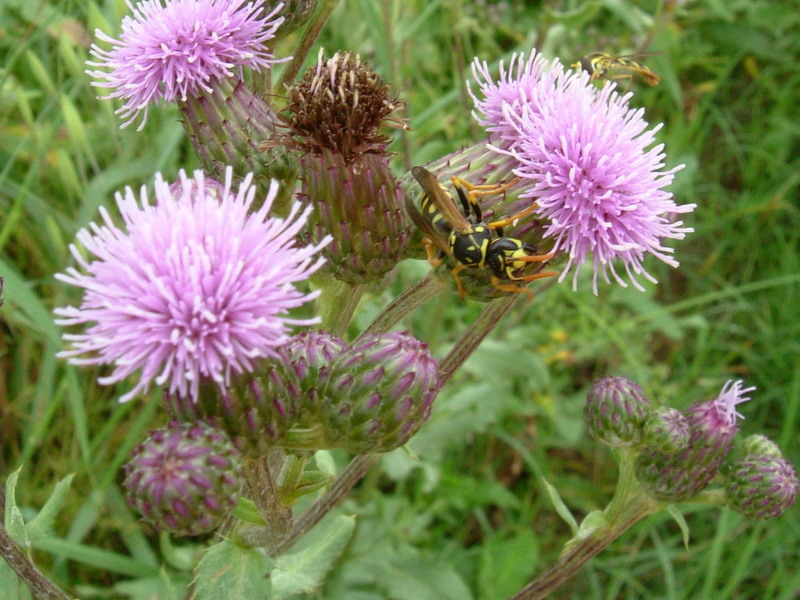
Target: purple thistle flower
x,y
712,427
178,48
585,157
195,286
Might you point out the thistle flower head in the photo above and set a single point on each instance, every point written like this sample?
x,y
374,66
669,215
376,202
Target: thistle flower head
x,y
616,409
588,160
258,409
173,49
339,105
195,287
380,392
761,486
184,478
712,426
666,430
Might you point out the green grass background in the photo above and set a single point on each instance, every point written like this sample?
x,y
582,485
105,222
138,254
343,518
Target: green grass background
x,y
467,517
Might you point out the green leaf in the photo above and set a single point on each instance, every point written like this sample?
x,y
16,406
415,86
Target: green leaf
x,y
12,586
228,571
420,578
247,511
560,507
14,521
310,482
163,587
40,526
506,564
678,517
325,462
304,571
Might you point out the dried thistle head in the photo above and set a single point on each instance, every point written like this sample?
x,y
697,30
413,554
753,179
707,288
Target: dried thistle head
x,y
339,105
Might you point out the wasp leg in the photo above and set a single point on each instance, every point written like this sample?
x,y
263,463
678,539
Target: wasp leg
x,y
498,284
533,258
473,192
535,276
478,191
434,258
500,223
459,267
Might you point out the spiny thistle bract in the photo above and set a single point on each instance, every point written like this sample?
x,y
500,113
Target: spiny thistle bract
x,y
334,116
184,478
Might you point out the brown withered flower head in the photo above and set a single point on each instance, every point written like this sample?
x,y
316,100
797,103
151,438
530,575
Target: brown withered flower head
x,y
334,117
339,105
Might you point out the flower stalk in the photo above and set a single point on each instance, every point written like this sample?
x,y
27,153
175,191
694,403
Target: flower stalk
x,y
313,29
336,303
629,505
261,477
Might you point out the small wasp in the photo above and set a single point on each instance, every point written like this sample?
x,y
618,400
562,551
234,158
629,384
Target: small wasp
x,y
598,64
472,243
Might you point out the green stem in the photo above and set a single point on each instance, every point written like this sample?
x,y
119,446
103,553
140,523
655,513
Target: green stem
x,y
336,303
477,332
419,293
313,515
260,475
310,36
628,506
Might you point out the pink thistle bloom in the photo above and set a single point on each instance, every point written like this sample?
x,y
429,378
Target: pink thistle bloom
x,y
195,286
588,160
179,48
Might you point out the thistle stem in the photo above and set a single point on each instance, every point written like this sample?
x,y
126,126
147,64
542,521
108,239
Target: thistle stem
x,y
310,36
41,587
314,514
628,506
477,332
336,304
419,293
260,476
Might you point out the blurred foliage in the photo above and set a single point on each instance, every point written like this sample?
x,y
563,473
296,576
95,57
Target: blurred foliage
x,y
463,512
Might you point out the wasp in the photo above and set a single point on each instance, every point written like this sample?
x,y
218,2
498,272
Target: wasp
x,y
598,64
473,243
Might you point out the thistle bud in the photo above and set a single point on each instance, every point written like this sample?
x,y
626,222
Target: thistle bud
x,y
761,486
666,431
677,476
258,409
762,445
379,394
616,409
184,478
335,113
228,125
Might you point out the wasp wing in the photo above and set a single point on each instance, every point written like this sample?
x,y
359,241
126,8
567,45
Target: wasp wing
x,y
436,235
441,199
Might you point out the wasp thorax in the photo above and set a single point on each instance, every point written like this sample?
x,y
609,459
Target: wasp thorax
x,y
339,105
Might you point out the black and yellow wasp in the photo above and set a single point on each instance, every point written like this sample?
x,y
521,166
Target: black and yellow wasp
x,y
599,64
472,243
